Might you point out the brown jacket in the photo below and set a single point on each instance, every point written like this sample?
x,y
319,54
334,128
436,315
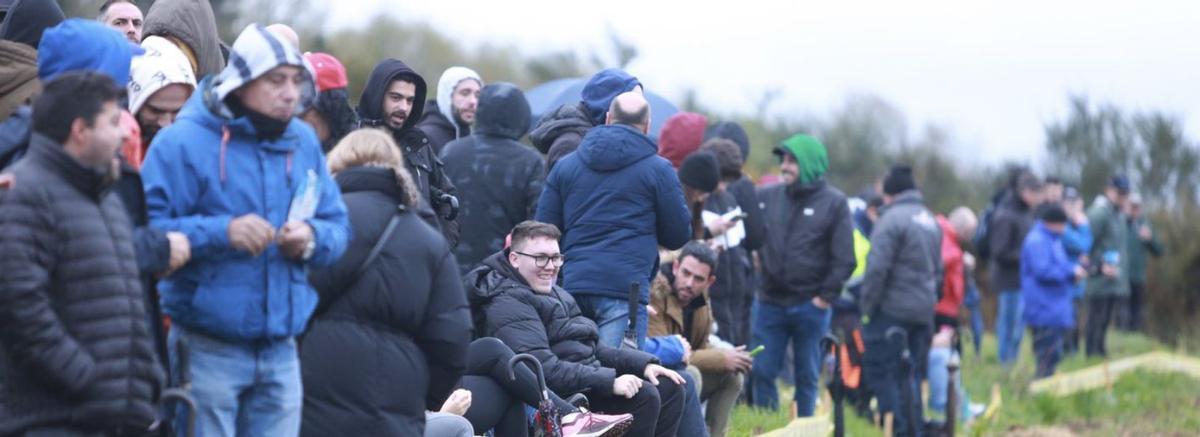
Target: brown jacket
x,y
669,321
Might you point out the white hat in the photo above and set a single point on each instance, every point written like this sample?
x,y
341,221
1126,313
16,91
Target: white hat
x,y
163,64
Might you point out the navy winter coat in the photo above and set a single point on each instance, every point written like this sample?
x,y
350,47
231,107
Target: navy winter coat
x,y
616,201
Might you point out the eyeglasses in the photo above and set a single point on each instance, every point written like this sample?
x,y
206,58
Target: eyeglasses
x,y
543,260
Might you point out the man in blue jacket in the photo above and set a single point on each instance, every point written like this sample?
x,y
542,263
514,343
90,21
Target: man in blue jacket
x,y
245,180
1048,277
617,201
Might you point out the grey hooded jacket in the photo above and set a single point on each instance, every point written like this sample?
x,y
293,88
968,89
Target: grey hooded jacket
x,y
193,23
904,268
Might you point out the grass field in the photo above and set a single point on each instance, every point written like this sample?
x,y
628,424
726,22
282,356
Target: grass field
x,y
1141,403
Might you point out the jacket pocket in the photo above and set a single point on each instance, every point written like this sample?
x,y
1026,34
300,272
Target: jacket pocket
x,y
226,310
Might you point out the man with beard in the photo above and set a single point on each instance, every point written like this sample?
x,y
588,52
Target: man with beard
x,y
160,82
123,16
451,115
76,355
393,96
806,259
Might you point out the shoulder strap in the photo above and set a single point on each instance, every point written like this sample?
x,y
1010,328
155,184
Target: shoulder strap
x,y
380,243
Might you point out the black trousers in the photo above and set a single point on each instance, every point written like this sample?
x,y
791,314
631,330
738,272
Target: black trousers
x,y
1137,297
656,409
498,402
1099,315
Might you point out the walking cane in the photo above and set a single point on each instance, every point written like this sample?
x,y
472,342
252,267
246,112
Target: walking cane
x,y
951,397
906,363
180,394
635,302
836,385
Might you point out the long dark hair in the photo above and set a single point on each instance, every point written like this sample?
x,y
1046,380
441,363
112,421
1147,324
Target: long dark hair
x,y
334,107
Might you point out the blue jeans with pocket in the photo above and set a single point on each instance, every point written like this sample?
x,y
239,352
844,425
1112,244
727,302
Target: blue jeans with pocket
x,y
775,327
1009,327
612,317
240,389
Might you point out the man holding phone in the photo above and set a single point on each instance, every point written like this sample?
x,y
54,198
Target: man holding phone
x,y
679,330
725,232
1109,282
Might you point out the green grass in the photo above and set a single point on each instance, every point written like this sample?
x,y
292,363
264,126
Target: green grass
x,y
1141,403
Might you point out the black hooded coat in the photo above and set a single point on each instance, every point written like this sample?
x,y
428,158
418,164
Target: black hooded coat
x,y
385,346
500,179
427,171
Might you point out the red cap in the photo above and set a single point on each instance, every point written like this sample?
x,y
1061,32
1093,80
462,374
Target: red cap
x,y
680,136
330,73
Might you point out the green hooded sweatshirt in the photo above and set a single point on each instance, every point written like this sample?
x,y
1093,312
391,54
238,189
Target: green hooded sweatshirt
x,y
810,156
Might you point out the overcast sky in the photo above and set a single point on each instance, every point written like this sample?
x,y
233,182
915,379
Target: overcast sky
x,y
993,72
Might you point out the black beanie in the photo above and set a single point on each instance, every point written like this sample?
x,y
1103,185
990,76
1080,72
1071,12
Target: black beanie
x,y
1054,213
700,171
731,131
898,180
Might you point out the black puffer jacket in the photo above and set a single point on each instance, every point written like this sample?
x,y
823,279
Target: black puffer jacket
x,y
384,347
420,159
75,344
549,327
560,132
809,245
500,179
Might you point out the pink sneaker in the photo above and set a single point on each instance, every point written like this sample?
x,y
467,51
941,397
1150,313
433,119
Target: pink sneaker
x,y
588,424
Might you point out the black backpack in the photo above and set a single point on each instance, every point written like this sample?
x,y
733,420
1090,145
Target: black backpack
x,y
981,241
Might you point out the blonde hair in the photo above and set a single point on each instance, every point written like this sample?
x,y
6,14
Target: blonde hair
x,y
963,220
373,148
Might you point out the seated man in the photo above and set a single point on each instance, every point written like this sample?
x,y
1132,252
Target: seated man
x,y
514,298
682,322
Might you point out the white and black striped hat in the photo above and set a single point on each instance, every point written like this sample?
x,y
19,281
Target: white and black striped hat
x,y
255,52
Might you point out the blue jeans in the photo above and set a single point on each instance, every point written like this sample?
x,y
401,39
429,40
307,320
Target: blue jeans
x,y
773,327
240,389
939,383
893,381
692,421
612,316
972,300
1009,328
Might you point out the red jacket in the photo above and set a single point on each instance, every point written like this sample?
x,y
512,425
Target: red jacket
x,y
953,283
